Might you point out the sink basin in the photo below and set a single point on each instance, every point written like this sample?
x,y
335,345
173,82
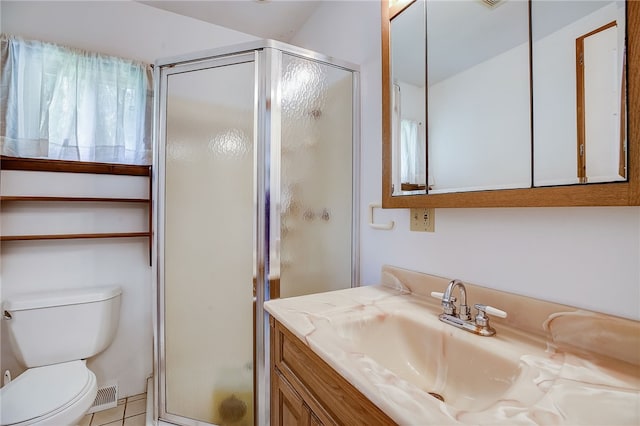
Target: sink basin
x,y
467,371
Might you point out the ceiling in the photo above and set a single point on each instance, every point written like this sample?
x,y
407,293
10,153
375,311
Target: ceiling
x,y
272,19
461,33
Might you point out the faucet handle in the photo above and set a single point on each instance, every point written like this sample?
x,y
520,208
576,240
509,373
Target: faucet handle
x,y
482,320
437,295
495,311
486,309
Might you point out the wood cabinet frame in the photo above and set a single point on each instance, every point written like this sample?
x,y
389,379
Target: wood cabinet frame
x,y
595,194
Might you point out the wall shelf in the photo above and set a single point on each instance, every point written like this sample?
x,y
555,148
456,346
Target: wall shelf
x,y
73,236
46,165
80,199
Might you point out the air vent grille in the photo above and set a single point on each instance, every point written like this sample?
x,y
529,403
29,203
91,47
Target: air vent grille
x,y
491,3
107,397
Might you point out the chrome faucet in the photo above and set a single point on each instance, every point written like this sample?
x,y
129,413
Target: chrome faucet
x,y
461,317
448,301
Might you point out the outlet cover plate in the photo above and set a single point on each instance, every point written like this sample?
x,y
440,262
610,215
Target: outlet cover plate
x,y
422,220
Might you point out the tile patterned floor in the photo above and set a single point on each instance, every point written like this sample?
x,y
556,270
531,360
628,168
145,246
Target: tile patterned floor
x,y
130,411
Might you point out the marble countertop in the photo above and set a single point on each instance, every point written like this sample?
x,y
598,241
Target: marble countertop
x,y
575,367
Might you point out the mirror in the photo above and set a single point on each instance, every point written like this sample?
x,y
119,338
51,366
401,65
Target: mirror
x,y
408,111
479,135
480,151
579,92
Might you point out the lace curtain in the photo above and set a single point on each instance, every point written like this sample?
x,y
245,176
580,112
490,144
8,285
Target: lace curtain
x,y
413,152
68,104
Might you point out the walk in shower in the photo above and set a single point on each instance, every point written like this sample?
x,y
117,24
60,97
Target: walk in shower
x,y
255,182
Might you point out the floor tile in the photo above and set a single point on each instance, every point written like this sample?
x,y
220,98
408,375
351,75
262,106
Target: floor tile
x,y
116,423
136,407
86,420
139,420
137,397
106,416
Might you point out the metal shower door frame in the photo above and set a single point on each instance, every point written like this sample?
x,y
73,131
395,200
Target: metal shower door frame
x,y
162,72
267,58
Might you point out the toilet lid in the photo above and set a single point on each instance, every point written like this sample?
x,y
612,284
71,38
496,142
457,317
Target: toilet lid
x,y
41,390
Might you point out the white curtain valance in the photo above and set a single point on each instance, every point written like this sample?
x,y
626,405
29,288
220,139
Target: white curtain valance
x,y
68,104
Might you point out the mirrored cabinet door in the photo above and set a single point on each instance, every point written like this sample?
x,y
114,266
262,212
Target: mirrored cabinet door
x,y
579,92
510,103
479,135
408,106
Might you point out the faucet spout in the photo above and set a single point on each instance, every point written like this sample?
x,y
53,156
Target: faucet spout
x,y
448,301
480,325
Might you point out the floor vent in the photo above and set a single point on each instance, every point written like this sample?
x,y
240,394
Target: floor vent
x,y
107,397
491,3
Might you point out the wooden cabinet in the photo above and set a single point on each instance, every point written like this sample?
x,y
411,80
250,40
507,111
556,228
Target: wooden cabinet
x,y
305,390
290,408
592,194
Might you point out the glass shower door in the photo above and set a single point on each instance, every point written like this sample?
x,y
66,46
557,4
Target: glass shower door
x,y
207,244
317,217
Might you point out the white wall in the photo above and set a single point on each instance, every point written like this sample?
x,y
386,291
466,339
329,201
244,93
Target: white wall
x,y
587,257
479,126
56,264
121,28
412,104
125,29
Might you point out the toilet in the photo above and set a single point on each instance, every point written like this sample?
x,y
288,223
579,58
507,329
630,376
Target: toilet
x,y
52,334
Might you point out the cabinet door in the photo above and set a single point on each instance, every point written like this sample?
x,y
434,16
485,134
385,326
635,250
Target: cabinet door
x,y
287,407
314,421
329,399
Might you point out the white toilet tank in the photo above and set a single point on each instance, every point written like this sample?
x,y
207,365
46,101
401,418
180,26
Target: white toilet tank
x,y
65,325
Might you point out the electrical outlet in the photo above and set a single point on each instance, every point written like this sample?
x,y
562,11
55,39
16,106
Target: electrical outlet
x,y
423,220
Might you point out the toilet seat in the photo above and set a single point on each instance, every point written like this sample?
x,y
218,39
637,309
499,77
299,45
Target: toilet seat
x,y
44,392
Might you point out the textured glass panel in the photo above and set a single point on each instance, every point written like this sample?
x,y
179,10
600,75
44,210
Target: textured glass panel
x,y
231,143
209,245
316,177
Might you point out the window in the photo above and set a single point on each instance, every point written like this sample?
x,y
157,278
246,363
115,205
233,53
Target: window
x,y
68,104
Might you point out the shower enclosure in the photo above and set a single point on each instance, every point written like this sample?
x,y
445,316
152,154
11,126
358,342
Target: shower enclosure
x,y
255,182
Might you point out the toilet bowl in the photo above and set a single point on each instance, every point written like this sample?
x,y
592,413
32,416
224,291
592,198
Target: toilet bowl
x,y
54,395
52,334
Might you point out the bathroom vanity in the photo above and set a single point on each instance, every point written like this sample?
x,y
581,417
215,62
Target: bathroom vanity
x,y
305,390
380,355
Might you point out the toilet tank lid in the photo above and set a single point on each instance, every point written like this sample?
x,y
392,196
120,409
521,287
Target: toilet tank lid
x,y
44,299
